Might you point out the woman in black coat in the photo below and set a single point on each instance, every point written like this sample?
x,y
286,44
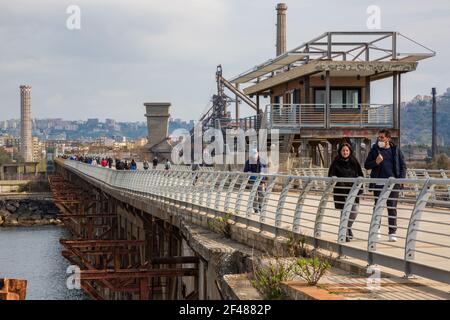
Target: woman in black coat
x,y
345,166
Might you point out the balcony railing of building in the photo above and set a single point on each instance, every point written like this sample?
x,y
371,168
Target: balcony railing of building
x,y
296,116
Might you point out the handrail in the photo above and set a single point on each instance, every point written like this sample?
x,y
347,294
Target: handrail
x,y
357,115
310,206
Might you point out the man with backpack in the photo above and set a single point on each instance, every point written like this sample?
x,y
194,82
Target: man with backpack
x,y
386,160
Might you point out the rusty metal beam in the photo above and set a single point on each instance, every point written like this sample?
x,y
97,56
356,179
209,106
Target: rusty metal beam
x,y
13,289
173,260
100,243
98,252
137,273
86,286
97,215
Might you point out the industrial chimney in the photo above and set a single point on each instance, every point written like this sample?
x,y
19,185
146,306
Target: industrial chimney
x,y
281,28
26,143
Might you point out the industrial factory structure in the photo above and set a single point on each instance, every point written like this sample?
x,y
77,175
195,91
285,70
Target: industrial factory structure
x,y
320,93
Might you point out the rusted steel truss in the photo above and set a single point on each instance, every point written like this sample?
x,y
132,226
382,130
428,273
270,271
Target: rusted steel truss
x,y
13,289
114,261
106,261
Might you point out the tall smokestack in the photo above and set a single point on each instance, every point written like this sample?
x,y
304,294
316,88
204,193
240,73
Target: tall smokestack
x,y
281,28
26,145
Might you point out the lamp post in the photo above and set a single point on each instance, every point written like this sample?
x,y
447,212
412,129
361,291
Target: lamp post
x,y
433,128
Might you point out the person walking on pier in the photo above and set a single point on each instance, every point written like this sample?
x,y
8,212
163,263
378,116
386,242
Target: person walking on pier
x,y
133,165
168,165
345,165
119,165
195,167
386,160
110,162
145,164
155,162
254,165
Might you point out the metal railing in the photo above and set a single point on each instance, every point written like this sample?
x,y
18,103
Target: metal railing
x,y
417,174
252,122
294,116
316,208
410,173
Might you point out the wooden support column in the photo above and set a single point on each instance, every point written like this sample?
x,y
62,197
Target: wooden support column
x,y
399,102
144,289
395,99
307,89
327,100
367,91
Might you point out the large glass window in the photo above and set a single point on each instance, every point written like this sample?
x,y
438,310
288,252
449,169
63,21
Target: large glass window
x,y
352,98
340,98
337,99
296,96
320,98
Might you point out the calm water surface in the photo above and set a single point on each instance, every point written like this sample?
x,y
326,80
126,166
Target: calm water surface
x,y
34,254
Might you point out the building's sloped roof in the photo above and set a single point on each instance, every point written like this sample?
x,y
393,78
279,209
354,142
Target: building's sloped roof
x,y
374,53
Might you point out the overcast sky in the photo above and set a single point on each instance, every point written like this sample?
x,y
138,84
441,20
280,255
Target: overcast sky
x,y
132,51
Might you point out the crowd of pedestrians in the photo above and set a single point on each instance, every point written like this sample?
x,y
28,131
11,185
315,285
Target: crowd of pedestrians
x,y
117,163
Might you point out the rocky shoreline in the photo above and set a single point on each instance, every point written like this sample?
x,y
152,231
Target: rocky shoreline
x,y
26,212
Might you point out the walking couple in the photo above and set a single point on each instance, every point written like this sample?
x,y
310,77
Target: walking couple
x,y
385,160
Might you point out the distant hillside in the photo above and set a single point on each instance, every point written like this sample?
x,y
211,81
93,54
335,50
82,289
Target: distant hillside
x,y
416,120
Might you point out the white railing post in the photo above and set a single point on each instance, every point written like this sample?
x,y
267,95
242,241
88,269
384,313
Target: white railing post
x,y
205,178
307,185
242,188
322,207
219,191
251,197
268,191
230,191
375,222
210,190
345,215
413,226
444,176
281,202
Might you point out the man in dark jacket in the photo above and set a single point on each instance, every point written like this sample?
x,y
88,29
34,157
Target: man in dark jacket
x,y
110,162
386,160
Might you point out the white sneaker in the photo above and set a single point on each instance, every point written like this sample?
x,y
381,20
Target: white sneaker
x,y
393,237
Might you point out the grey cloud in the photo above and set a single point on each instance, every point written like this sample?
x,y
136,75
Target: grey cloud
x,y
132,51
